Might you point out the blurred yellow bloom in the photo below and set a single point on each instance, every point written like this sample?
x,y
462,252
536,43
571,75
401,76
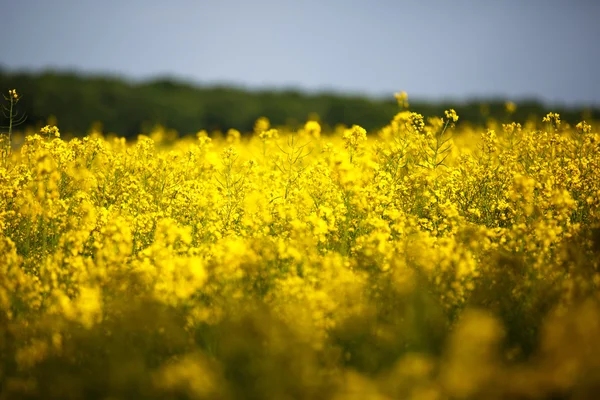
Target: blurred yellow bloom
x,y
313,128
261,124
510,107
402,99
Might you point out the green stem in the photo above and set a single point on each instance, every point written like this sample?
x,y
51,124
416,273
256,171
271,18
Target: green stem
x,y
10,126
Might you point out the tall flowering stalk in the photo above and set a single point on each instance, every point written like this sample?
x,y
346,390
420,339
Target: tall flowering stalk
x,y
14,119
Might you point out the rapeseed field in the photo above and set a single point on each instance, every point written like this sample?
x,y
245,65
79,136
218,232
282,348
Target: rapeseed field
x,y
427,260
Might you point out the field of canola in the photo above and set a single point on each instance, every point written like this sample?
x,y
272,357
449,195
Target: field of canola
x,y
428,260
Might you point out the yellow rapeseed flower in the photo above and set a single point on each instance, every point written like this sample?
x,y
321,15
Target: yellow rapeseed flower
x,y
50,131
402,99
510,107
313,128
451,115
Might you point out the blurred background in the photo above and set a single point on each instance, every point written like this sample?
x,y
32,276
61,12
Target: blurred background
x,y
192,65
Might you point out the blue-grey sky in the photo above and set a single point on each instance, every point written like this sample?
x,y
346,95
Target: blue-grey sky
x,y
456,49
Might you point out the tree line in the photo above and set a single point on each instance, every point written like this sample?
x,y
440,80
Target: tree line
x,y
129,108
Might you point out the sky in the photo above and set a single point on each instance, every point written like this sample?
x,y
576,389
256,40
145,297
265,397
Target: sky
x,y
432,49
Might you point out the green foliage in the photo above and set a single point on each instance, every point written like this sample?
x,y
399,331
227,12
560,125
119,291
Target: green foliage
x,y
128,108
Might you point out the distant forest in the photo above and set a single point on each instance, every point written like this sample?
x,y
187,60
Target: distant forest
x,y
130,108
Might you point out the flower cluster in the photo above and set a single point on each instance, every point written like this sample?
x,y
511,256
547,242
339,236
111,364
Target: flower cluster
x,y
50,131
